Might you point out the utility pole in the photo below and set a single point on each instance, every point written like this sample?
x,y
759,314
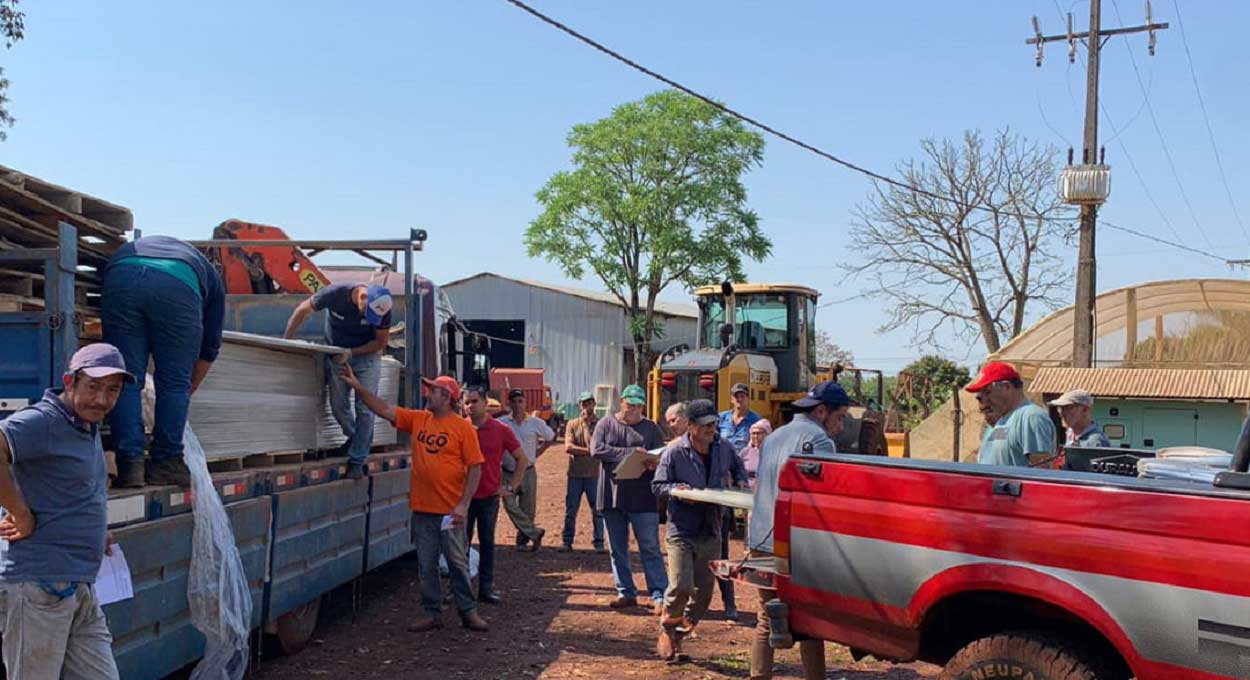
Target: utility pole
x,y
1088,184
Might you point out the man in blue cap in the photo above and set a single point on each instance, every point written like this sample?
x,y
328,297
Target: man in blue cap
x,y
358,318
817,420
161,299
54,531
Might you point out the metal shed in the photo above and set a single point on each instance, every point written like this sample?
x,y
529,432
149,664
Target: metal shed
x,y
580,337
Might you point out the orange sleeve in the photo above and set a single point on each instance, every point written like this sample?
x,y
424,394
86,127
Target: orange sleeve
x,y
408,420
469,449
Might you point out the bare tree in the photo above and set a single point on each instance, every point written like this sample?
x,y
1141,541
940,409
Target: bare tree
x,y
829,352
945,264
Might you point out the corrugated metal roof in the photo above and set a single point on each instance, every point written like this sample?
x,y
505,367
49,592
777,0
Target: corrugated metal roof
x,y
666,308
1146,383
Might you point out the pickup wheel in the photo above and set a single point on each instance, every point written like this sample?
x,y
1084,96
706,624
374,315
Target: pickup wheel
x,y
1019,655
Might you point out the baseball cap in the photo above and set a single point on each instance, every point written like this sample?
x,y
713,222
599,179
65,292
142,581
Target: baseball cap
x,y
739,387
633,394
701,412
446,382
584,397
378,303
828,393
516,392
992,373
1071,397
100,360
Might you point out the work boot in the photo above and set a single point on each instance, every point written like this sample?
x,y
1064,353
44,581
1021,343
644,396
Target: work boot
x,y
355,470
761,659
565,548
129,475
623,602
668,646
425,624
489,597
538,542
600,550
170,471
473,622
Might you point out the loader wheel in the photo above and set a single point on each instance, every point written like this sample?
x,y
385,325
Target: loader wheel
x,y
296,627
1019,655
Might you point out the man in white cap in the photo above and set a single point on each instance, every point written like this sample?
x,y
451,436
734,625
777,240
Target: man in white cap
x,y
1077,410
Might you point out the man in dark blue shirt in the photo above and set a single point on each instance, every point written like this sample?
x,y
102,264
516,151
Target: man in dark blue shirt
x,y
161,299
54,531
358,318
700,459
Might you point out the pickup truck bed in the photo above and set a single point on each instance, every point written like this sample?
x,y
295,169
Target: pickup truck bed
x,y
918,560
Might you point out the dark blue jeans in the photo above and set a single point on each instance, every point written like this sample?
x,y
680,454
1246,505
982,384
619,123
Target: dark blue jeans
x,y
483,516
431,541
146,312
578,487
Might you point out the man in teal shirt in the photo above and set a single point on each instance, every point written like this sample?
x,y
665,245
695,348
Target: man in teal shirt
x,y
1024,434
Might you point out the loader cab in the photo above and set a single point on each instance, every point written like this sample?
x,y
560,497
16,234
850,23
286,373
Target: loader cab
x,y
774,319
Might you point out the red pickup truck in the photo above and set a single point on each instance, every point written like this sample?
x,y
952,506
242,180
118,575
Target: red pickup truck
x,y
1011,573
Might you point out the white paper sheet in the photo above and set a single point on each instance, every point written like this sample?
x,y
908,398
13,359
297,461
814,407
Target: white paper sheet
x,y
733,498
635,464
113,583
447,520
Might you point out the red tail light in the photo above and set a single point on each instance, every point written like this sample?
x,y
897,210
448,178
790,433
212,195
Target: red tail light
x,y
668,381
706,381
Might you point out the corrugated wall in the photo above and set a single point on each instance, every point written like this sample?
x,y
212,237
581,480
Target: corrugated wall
x,y
579,342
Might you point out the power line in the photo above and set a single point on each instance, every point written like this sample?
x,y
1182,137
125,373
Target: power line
x,y
1215,149
1167,152
1166,242
804,145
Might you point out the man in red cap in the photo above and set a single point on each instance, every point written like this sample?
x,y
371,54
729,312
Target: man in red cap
x,y
1024,434
446,468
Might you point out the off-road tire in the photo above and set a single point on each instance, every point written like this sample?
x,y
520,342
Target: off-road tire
x,y
1020,656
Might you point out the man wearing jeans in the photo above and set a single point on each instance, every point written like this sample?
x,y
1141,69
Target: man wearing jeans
x,y
357,318
55,527
446,469
629,503
698,460
497,442
583,473
161,299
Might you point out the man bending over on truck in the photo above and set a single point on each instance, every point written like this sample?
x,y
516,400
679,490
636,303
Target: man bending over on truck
x,y
1024,434
1076,408
358,318
446,468
497,443
55,527
817,420
699,460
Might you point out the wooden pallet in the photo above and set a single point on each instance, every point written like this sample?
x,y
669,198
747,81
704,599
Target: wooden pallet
x,y
226,464
275,458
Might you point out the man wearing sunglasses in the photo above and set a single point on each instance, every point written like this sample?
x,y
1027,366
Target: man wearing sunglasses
x,y
1024,434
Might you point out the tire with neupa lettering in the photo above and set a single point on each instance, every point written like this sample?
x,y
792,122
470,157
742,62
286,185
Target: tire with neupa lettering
x,y
1019,656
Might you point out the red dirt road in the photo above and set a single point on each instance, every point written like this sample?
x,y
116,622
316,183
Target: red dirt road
x,y
554,622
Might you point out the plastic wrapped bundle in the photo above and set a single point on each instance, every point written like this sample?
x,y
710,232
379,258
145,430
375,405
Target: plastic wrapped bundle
x,y
330,435
1186,463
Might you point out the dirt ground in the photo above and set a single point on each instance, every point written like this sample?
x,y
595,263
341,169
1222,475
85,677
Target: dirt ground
x,y
554,622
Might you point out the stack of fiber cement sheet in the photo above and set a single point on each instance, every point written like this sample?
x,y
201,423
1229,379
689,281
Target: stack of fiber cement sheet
x,y
263,395
330,435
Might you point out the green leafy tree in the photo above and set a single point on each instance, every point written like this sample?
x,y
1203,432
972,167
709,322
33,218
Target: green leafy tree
x,y
927,383
12,29
655,198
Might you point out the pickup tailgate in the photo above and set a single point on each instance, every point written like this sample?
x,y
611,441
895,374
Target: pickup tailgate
x,y
873,545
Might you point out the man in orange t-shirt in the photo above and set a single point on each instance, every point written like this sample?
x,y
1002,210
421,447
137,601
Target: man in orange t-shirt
x,y
446,468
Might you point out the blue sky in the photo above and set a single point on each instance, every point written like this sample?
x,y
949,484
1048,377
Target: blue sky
x,y
354,120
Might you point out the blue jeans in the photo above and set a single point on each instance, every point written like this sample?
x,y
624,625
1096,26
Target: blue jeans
x,y
579,486
647,532
483,516
431,541
357,424
146,312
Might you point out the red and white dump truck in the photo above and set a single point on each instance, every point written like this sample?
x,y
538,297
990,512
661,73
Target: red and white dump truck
x,y
996,572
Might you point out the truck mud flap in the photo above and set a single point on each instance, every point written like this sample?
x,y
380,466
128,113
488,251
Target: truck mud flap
x,y
390,520
152,632
778,614
318,542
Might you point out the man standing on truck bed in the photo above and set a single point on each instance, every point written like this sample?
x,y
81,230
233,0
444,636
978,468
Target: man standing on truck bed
x,y
699,460
446,469
817,420
497,442
1076,408
161,299
629,503
1024,434
583,474
535,437
55,528
358,318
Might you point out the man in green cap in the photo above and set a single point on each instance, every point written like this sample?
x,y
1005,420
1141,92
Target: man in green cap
x,y
583,473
